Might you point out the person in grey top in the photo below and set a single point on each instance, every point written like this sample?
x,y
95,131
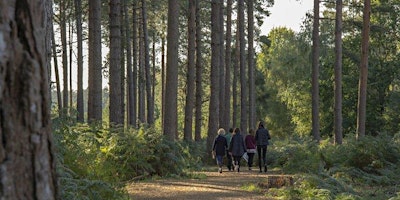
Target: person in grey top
x,y
262,137
237,148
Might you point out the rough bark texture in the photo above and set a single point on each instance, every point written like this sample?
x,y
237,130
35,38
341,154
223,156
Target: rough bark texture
x,y
228,66
134,70
338,129
250,58
115,63
362,85
243,78
79,101
27,164
129,75
235,107
190,83
63,25
315,73
170,123
213,117
141,79
95,110
221,66
199,76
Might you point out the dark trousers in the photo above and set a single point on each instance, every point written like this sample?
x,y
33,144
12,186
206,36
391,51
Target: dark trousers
x,y
237,160
251,158
229,160
262,157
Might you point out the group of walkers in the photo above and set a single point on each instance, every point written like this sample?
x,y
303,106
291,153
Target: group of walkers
x,y
235,146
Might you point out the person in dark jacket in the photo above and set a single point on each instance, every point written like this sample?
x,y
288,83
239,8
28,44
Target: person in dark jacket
x,y
219,148
228,136
262,137
251,147
237,148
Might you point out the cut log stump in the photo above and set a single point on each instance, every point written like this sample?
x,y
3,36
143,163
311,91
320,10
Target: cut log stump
x,y
276,181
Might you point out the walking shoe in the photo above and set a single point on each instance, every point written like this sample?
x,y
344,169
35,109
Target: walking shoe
x,y
250,169
265,168
220,170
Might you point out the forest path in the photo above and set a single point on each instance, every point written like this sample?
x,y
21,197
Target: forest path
x,y
225,185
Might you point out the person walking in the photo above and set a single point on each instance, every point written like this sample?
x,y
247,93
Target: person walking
x,y
250,141
228,137
219,148
237,148
262,137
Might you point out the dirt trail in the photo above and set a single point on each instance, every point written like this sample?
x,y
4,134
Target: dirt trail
x,y
226,185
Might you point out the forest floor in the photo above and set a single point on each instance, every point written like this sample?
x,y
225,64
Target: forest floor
x,y
213,185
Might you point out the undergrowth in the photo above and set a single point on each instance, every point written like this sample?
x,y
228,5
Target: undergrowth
x,y
95,162
357,169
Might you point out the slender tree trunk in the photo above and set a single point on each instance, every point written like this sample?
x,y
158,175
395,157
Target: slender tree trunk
x,y
129,75
170,123
70,40
228,66
315,73
153,80
149,98
250,59
115,63
362,85
48,17
213,118
243,79
163,72
122,60
141,80
79,101
63,25
135,64
56,72
190,90
95,110
221,76
235,113
27,162
199,77
338,73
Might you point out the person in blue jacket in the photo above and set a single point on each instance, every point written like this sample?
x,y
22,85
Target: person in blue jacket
x,y
237,148
262,137
219,148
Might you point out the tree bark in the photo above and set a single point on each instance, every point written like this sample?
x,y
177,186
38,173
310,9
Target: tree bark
x,y
149,98
80,100
236,67
362,85
190,77
27,162
228,66
115,63
213,117
63,25
338,129
250,59
315,73
56,72
95,110
129,75
134,94
199,76
243,79
221,76
141,79
170,123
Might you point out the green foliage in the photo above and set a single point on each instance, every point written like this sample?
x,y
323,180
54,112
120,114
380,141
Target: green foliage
x,y
367,168
94,161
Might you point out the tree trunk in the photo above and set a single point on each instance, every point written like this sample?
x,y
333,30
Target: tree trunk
x,y
190,86
213,118
163,72
56,72
141,79
122,60
338,129
63,25
129,75
48,17
221,76
95,111
149,98
115,63
315,73
252,86
170,123
199,77
70,40
243,79
236,66
228,66
362,85
27,162
79,101
135,64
